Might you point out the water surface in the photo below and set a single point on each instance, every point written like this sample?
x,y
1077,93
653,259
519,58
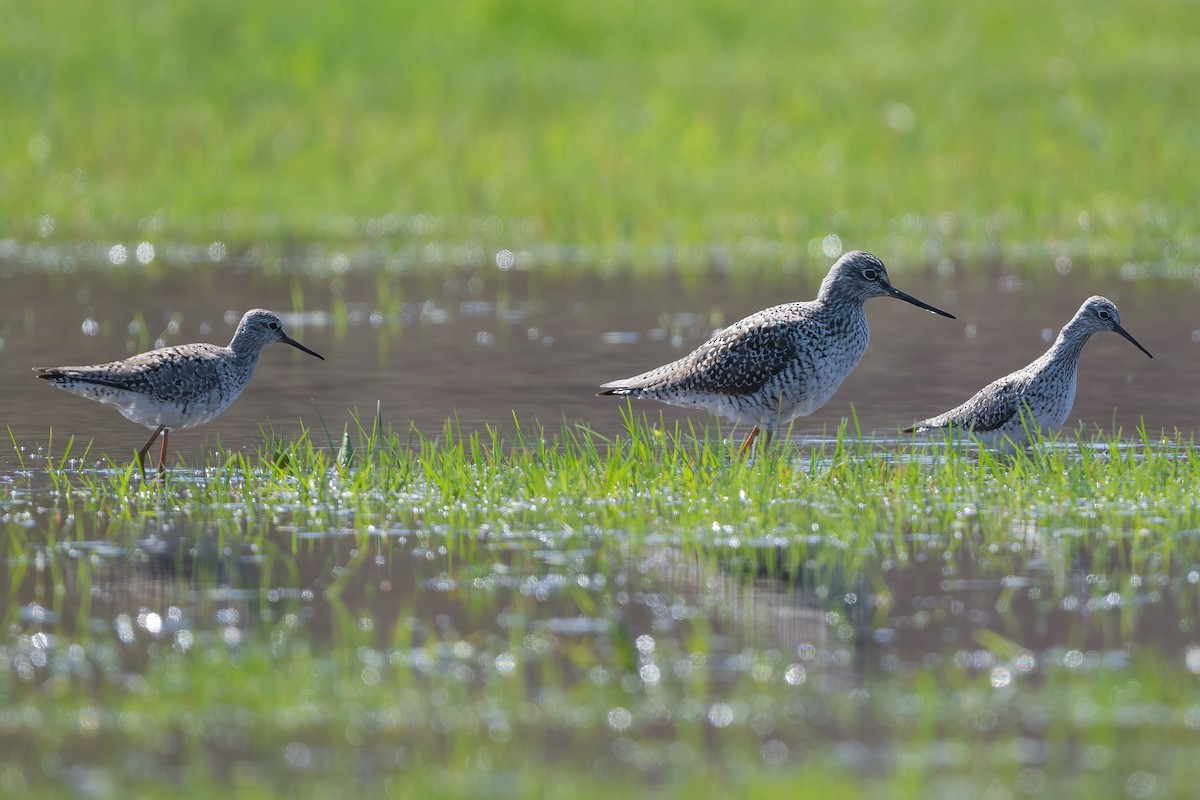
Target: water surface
x,y
483,346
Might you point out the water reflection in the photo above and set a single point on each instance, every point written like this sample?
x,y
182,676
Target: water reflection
x,y
790,650
1044,594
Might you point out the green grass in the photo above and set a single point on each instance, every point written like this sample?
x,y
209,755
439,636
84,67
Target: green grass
x,y
623,137
469,615
665,482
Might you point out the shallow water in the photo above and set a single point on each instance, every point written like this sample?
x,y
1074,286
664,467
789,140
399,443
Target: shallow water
x,y
484,346
591,649
579,649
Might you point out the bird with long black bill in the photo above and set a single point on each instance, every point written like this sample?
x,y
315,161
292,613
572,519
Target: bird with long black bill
x,y
180,386
782,362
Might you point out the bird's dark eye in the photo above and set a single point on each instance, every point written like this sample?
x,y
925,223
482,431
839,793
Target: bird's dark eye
x,y
1104,315
273,326
870,274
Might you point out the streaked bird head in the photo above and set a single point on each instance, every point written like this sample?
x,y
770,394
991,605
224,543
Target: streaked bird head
x,y
1099,314
260,328
857,277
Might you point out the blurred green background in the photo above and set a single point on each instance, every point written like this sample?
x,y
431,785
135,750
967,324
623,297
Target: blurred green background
x,y
922,129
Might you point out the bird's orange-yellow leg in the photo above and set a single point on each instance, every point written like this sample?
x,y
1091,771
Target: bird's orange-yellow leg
x,y
141,454
162,456
750,437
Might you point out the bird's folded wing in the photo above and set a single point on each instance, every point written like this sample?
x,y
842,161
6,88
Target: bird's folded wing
x,y
740,361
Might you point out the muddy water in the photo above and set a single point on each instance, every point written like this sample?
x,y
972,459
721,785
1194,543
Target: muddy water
x,y
481,347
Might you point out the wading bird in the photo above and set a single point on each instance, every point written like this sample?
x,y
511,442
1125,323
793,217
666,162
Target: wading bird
x,y
782,362
180,386
1038,396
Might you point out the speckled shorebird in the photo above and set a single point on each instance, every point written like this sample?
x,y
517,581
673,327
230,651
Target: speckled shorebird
x,y
782,362
180,386
1038,396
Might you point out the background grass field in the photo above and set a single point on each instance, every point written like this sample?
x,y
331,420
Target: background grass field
x,y
1019,130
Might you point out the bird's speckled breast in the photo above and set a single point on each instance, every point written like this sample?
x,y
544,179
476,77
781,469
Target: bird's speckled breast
x,y
826,360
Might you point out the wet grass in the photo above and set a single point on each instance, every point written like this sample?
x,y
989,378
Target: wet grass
x,y
686,134
658,481
563,614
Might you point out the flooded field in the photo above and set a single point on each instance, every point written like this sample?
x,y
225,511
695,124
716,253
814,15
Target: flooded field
x,y
451,619
499,586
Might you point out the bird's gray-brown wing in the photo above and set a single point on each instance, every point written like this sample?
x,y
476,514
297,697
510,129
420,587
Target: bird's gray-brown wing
x,y
738,360
989,409
741,362
170,374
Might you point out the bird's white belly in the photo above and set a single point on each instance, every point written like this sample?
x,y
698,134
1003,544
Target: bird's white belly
x,y
148,411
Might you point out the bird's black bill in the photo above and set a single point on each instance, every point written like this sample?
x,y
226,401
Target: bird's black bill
x,y
298,346
908,298
1136,343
